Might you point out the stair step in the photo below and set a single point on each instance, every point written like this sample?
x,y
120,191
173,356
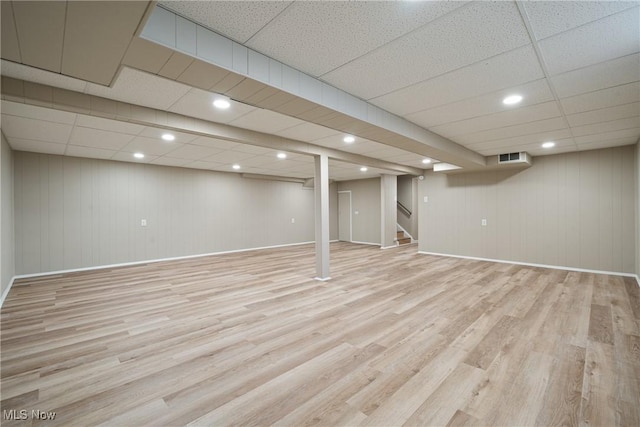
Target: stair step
x,y
404,240
400,234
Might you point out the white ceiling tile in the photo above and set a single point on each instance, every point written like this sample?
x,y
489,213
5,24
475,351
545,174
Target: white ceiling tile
x,y
38,130
152,146
199,164
531,139
607,143
614,125
219,144
193,152
622,134
156,133
268,162
252,149
610,97
88,137
467,35
170,161
238,20
36,75
128,157
199,103
530,128
534,92
140,88
89,152
502,119
267,121
600,76
347,30
533,148
548,18
605,114
110,125
34,112
508,70
21,144
227,157
308,132
600,41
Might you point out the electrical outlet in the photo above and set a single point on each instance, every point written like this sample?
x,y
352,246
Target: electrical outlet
x,y
426,199
484,222
356,212
293,220
143,222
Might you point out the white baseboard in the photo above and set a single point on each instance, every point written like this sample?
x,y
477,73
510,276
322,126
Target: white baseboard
x,y
555,267
6,291
365,243
127,264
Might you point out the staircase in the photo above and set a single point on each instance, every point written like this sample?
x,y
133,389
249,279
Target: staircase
x,y
402,238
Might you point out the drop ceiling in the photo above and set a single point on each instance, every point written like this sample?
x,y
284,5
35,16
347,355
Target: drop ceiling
x,y
444,66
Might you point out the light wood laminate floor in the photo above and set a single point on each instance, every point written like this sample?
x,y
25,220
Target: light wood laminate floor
x,y
395,338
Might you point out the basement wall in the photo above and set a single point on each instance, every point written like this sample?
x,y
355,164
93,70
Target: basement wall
x,y
75,213
570,210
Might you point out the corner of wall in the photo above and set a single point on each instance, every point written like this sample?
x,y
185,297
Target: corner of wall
x,y
7,239
638,211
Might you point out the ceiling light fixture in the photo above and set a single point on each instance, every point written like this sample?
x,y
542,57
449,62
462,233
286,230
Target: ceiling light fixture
x,y
236,167
348,139
282,156
363,169
168,137
512,99
222,103
426,161
138,155
549,144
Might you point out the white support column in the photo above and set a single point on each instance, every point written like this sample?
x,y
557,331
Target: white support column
x,y
388,210
321,188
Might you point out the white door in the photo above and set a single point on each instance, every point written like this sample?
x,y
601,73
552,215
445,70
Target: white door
x,y
344,216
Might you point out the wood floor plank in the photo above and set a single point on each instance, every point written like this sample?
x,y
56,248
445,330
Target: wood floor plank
x,y
394,338
601,324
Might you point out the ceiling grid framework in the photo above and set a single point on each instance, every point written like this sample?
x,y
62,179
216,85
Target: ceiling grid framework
x,y
441,66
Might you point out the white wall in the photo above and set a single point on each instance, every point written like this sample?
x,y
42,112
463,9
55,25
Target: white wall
x,y
7,267
638,209
75,212
365,199
574,210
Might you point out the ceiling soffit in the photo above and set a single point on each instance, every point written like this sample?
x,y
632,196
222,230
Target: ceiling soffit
x,y
229,68
66,100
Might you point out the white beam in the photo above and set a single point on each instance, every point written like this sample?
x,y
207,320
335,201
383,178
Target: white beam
x,y
321,186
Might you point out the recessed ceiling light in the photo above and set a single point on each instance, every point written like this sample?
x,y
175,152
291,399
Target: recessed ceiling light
x,y
168,137
222,103
282,156
138,155
236,167
549,144
426,161
363,169
512,99
348,139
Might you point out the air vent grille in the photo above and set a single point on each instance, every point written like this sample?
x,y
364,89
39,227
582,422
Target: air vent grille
x,y
512,157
